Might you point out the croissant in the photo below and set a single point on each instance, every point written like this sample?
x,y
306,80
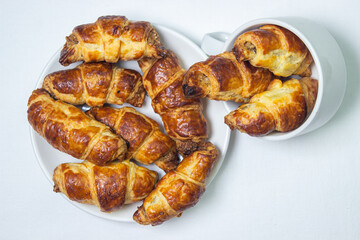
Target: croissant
x,y
179,189
109,39
96,84
283,107
222,77
182,117
69,130
276,49
147,144
108,187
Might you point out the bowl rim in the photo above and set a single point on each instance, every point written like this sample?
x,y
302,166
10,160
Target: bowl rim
x,y
317,64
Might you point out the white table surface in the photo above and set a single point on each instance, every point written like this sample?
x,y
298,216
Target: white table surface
x,y
304,188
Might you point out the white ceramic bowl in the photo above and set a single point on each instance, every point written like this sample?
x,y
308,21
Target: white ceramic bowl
x,y
328,67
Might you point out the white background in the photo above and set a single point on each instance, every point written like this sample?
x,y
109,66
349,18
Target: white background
x,y
304,188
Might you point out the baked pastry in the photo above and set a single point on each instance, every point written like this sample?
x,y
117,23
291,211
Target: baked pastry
x,y
283,107
275,48
223,77
109,39
179,189
147,144
108,187
69,130
96,84
182,117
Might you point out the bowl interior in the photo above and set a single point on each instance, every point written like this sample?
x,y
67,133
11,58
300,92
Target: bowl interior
x,y
316,71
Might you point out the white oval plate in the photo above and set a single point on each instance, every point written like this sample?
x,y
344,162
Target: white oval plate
x,y
219,134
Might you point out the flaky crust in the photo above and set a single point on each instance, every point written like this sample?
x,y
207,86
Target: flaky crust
x,y
275,48
108,187
283,107
223,77
147,144
96,84
179,189
182,117
69,130
110,39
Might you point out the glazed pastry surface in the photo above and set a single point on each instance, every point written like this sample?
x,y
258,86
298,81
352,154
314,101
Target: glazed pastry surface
x,y
147,144
182,117
283,107
110,39
179,189
223,77
96,84
108,187
69,130
275,48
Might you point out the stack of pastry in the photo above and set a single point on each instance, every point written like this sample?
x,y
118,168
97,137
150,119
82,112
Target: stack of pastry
x,y
110,139
107,178
254,74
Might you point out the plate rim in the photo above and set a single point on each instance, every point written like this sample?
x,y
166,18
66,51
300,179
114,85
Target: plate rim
x,y
98,213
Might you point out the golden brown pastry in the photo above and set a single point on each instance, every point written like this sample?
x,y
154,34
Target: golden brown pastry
x,y
275,48
223,77
182,117
96,84
109,39
179,189
283,107
108,187
147,144
69,130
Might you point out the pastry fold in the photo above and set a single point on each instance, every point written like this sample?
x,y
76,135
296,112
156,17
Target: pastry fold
x,y
275,48
69,130
108,187
179,189
182,117
110,39
96,84
283,107
147,144
223,77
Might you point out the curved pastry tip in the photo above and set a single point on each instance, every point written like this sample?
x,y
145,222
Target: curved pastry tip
x,y
186,147
68,50
140,216
238,54
154,41
65,54
310,89
56,188
168,162
162,51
